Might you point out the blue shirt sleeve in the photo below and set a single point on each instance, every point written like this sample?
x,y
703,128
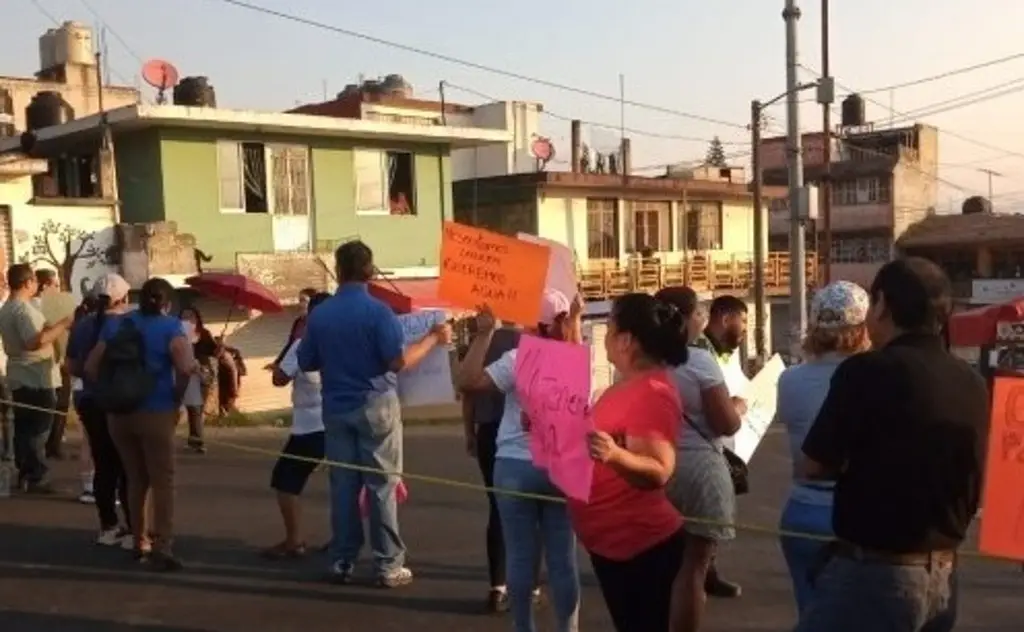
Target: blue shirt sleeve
x,y
308,353
79,340
390,337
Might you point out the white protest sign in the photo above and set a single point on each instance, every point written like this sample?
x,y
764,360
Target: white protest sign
x,y
761,394
561,265
429,382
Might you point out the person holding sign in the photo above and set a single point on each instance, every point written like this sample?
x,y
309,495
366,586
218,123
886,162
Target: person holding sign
x,y
528,523
630,529
837,331
356,343
901,431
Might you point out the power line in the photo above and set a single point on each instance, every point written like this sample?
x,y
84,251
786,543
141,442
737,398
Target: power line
x,y
609,126
124,44
945,75
49,16
475,65
948,132
964,101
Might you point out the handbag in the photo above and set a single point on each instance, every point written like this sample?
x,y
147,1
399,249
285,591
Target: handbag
x,y
738,471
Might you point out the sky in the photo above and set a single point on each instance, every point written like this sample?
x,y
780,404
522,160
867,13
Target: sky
x,y
708,59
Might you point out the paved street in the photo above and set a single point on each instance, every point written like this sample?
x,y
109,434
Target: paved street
x,y
53,579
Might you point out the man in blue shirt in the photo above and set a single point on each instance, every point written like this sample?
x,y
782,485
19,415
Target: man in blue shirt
x,y
356,343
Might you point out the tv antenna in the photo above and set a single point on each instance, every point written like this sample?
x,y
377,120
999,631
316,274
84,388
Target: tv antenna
x,y
161,75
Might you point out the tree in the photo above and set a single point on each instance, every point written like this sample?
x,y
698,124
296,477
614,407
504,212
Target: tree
x,y
716,154
62,246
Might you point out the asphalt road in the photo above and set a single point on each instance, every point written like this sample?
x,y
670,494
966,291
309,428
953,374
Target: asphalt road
x,y
53,579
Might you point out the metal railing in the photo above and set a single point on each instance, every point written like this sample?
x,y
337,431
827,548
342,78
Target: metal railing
x,y
704,272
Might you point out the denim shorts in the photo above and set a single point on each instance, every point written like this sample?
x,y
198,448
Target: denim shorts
x,y
291,474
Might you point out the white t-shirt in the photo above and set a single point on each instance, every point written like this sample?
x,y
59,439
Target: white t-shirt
x,y
512,442
700,373
307,413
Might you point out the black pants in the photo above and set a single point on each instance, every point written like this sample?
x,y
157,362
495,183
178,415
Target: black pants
x,y
59,422
32,423
638,592
486,448
109,481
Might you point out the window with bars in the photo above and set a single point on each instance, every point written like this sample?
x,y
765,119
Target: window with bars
x,y
602,229
703,229
862,191
260,178
649,226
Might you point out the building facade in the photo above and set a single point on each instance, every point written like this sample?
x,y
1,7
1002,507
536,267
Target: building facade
x,y
391,100
883,181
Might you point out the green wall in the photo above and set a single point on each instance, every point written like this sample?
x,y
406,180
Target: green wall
x,y
185,190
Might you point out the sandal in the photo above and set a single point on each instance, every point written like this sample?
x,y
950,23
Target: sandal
x,y
283,550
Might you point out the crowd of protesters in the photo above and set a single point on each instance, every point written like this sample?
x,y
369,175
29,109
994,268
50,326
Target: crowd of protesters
x,y
875,379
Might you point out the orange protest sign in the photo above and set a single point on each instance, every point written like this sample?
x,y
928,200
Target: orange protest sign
x,y
1002,522
508,274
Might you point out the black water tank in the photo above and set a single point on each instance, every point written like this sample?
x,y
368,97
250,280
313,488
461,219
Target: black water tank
x,y
6,114
195,92
976,204
46,110
853,111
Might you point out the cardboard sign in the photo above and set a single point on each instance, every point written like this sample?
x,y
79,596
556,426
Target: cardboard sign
x,y
429,382
480,267
1002,523
761,395
561,266
553,387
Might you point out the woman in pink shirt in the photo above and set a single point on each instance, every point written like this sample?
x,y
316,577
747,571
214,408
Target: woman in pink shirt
x,y
630,529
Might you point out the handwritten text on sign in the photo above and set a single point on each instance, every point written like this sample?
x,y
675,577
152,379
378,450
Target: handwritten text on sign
x,y
429,382
478,267
1002,524
761,396
553,387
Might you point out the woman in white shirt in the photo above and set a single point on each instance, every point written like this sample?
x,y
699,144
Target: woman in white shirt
x,y
303,451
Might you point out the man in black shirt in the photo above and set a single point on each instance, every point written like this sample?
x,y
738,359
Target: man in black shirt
x,y
902,432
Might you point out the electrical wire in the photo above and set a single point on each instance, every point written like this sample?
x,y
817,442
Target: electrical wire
x,y
945,75
291,17
120,40
962,102
609,126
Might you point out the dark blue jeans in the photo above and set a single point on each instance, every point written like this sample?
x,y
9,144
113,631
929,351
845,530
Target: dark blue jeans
x,y
6,426
31,430
857,596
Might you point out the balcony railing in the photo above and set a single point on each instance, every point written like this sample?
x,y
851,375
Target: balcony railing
x,y
704,272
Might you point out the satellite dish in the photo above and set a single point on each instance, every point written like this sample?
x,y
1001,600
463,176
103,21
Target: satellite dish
x,y
543,150
161,75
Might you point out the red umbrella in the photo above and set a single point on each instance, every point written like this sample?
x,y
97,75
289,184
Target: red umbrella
x,y
239,290
977,327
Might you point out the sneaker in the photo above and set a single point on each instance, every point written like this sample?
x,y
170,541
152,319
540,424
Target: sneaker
x,y
715,586
394,579
342,572
112,537
87,498
497,601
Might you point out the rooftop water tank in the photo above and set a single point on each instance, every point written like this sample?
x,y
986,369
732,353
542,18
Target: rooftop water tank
x,y
396,85
48,49
47,108
195,92
73,44
853,111
976,204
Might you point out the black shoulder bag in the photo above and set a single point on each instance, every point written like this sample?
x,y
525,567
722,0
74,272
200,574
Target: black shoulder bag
x,y
738,471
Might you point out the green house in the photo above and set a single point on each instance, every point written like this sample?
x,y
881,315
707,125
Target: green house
x,y
247,182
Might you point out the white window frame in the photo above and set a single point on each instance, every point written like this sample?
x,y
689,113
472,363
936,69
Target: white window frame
x,y
268,156
385,208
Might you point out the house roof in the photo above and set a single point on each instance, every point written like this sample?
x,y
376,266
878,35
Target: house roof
x,y
613,184
963,230
141,116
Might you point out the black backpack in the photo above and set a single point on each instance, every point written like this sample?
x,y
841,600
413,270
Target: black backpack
x,y
124,382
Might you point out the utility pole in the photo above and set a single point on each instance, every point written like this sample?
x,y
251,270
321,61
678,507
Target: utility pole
x,y
760,233
826,128
990,173
444,106
797,198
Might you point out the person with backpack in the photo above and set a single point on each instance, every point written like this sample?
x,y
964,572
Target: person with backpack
x,y
108,480
140,369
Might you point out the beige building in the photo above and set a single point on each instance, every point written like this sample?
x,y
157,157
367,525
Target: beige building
x,y
69,191
882,182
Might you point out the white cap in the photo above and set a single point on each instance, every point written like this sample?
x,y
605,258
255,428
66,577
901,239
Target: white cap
x,y
111,285
552,304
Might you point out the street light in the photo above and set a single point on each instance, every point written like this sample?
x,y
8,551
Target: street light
x,y
760,214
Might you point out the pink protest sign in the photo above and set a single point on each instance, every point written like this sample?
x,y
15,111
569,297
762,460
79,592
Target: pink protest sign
x,y
553,387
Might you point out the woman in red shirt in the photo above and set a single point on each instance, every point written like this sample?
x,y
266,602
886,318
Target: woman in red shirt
x,y
630,529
